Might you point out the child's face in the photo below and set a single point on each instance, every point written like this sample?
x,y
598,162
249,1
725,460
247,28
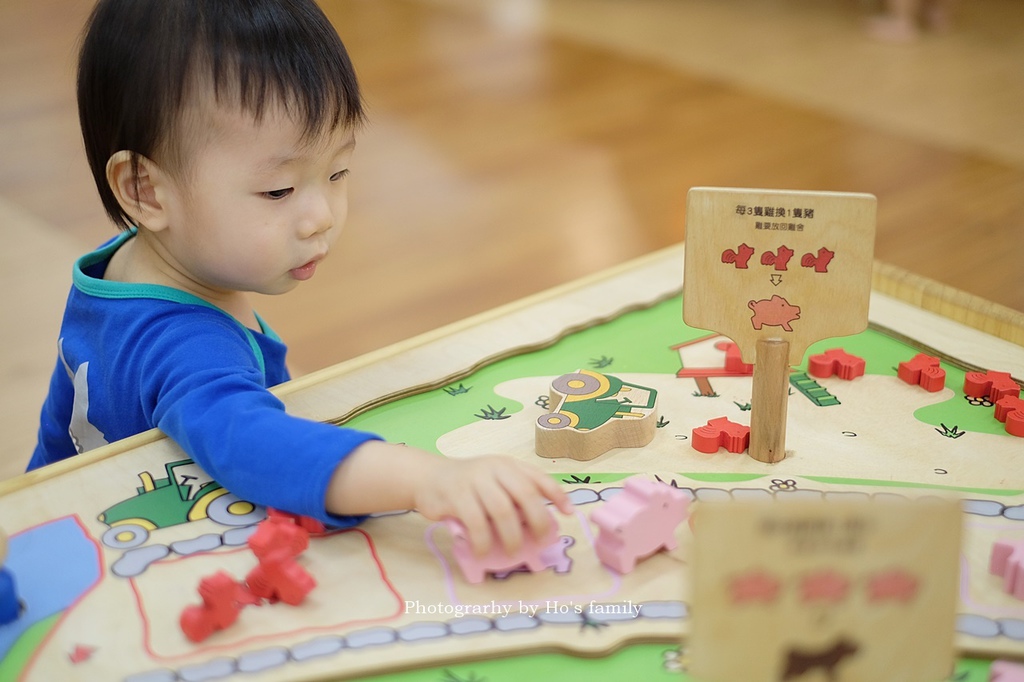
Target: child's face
x,y
258,206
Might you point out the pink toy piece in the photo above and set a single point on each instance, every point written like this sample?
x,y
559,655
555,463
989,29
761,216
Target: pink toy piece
x,y
773,312
531,553
924,371
554,556
991,385
1010,409
838,362
638,522
720,432
1006,671
1007,561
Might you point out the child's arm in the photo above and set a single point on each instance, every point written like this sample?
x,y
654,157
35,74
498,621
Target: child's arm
x,y
379,476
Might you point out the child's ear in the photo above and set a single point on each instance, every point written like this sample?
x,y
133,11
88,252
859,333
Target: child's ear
x,y
138,184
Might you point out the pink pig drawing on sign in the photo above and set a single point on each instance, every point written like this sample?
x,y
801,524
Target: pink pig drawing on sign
x,y
773,312
533,554
638,522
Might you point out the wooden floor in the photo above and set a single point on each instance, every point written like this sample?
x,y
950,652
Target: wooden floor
x,y
517,144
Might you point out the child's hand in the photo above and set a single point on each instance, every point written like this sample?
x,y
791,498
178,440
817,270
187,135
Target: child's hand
x,y
493,492
492,495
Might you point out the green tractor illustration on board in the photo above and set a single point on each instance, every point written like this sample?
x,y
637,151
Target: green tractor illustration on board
x,y
595,413
186,494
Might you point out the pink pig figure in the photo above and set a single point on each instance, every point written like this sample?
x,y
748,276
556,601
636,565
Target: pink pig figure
x,y
774,312
531,553
638,522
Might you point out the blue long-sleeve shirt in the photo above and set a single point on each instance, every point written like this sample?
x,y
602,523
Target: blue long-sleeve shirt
x,y
132,357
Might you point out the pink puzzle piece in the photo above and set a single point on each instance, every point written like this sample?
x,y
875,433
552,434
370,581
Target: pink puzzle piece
x,y
1010,409
838,362
533,554
773,312
991,385
720,432
1007,561
555,556
924,371
638,522
1006,671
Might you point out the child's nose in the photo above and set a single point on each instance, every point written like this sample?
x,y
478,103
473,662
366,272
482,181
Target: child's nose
x,y
318,217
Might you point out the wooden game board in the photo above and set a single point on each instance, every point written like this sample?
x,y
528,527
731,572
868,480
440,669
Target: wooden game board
x,y
100,606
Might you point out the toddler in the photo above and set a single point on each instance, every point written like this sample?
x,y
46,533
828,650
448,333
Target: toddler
x,y
220,135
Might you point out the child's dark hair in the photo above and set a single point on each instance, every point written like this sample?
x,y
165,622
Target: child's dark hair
x,y
142,60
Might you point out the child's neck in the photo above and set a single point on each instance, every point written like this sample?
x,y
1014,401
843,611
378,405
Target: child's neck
x,y
139,261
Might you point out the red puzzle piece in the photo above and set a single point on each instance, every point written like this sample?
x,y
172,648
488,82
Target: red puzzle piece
x,y
734,358
307,523
1010,409
924,371
991,385
836,361
1007,561
278,577
720,432
278,532
223,598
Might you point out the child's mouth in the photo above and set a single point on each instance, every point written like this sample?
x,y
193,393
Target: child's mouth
x,y
304,272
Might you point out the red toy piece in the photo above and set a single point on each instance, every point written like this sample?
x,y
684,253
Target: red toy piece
x,y
278,532
720,432
734,358
223,599
1010,409
638,522
1006,671
924,371
278,577
1007,561
991,385
836,361
307,523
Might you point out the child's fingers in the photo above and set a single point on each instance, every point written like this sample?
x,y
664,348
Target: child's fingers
x,y
473,516
530,503
550,489
503,513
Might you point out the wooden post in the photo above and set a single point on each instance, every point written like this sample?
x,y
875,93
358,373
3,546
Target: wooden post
x,y
769,401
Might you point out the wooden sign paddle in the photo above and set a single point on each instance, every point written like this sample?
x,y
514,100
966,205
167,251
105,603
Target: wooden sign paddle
x,y
776,271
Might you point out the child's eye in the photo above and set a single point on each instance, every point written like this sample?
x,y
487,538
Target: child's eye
x,y
278,193
339,175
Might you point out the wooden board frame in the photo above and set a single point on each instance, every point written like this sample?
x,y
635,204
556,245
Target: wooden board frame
x,y
427,362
